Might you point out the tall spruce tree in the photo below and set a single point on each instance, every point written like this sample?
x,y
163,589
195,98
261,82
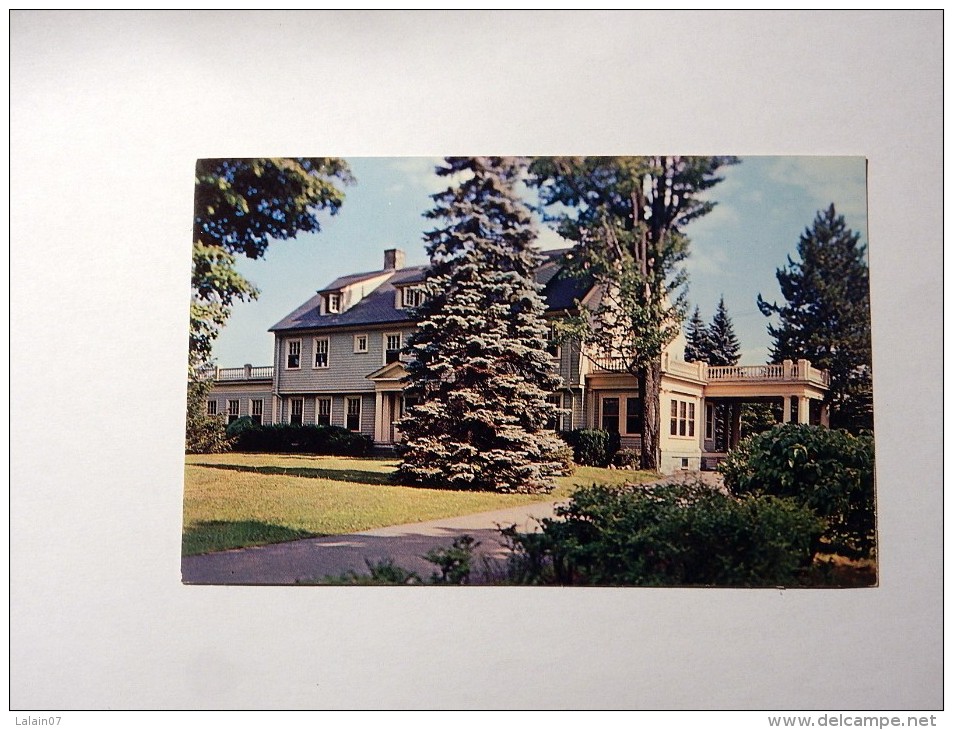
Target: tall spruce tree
x,y
696,338
479,367
826,317
723,345
627,216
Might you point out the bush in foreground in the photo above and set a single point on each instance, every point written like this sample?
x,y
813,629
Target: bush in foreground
x,y
667,536
829,471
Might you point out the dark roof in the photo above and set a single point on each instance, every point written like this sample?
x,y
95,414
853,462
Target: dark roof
x,y
560,292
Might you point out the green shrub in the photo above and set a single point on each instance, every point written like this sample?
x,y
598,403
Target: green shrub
x,y
455,562
238,425
673,535
592,447
204,434
285,438
626,459
382,573
829,471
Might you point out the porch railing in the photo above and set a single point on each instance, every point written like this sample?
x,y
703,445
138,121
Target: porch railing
x,y
745,372
248,372
800,370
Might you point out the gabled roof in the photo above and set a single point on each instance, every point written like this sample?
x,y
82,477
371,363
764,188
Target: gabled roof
x,y
343,281
560,292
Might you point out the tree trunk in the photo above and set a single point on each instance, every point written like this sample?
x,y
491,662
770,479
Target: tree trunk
x,y
650,382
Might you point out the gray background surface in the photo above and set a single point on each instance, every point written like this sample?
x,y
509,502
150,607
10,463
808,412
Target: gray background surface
x,y
109,112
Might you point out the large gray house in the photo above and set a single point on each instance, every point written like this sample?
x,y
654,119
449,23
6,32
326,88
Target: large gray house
x,y
337,361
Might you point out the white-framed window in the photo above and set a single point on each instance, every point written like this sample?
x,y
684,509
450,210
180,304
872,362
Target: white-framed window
x,y
333,303
322,410
709,421
552,340
232,411
293,359
392,345
256,409
360,343
353,413
211,408
681,417
297,411
322,346
414,296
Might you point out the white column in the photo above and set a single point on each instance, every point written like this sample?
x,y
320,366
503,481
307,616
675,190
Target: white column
x,y
786,418
378,416
804,409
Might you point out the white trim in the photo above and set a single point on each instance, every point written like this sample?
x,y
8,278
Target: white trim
x,y
686,414
360,409
213,410
228,409
334,296
327,353
400,339
291,408
251,410
418,291
317,410
357,350
288,354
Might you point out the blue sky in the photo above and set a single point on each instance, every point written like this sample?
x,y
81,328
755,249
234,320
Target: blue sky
x,y
763,206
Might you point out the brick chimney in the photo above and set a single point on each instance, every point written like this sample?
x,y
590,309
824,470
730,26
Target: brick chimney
x,y
393,259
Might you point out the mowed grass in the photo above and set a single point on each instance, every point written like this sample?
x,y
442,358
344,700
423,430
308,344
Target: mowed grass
x,y
240,500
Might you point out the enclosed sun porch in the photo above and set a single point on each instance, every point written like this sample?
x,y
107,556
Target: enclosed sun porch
x,y
705,409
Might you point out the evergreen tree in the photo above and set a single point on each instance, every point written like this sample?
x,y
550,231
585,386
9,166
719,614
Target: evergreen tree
x,y
826,317
479,369
697,344
723,345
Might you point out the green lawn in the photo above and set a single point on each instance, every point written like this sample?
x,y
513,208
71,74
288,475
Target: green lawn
x,y
238,500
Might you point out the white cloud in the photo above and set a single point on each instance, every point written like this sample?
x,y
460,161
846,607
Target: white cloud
x,y
548,239
419,173
826,180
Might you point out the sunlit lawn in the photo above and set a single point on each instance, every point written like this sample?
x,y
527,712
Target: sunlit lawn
x,y
239,500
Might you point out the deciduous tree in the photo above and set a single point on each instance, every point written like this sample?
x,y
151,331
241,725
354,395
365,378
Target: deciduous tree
x,y
627,216
241,205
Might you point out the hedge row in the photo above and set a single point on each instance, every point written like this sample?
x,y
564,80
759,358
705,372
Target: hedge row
x,y
285,438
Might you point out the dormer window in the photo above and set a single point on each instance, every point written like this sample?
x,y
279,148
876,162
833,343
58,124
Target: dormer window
x,y
333,303
414,296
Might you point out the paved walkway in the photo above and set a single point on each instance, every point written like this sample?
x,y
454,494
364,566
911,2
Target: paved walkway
x,y
315,558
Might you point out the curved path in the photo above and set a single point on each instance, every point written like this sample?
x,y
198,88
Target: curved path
x,y
313,559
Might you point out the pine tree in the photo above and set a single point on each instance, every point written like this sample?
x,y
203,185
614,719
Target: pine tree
x,y
479,366
697,344
723,345
826,318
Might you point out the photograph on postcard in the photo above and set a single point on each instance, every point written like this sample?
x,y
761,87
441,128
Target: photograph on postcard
x,y
545,371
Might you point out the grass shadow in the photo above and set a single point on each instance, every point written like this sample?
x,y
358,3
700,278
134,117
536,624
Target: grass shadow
x,y
355,476
213,536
